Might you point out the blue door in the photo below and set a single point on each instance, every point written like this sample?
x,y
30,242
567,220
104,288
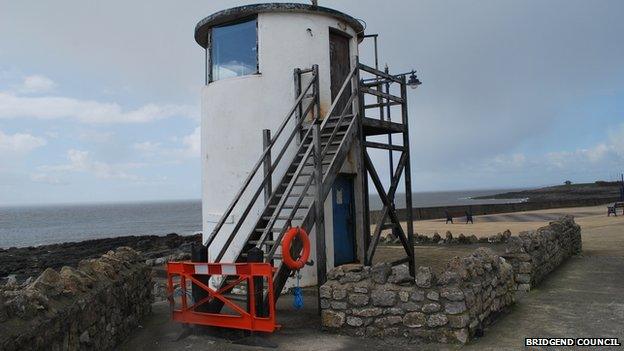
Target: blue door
x,y
344,221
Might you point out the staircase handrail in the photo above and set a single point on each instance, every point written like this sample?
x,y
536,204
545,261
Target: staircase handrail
x,y
260,161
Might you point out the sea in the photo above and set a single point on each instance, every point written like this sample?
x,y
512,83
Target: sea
x,y
22,226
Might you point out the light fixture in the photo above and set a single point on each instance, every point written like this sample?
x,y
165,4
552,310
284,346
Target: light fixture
x,y
413,81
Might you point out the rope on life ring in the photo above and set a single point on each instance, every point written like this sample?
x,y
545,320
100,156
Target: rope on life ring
x,y
290,235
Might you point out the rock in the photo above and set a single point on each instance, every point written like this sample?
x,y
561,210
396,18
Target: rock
x,y
459,321
523,278
394,311
414,319
84,337
338,305
351,277
360,289
380,273
388,321
325,292
436,237
437,320
160,261
339,293
461,335
448,237
332,319
404,296
411,306
424,277
11,281
358,299
431,307
433,295
383,298
49,283
417,295
455,307
506,235
452,293
462,239
525,267
400,275
473,239
354,321
325,303
524,287
448,278
367,312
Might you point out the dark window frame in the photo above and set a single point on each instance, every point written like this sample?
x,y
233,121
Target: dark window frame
x,y
209,75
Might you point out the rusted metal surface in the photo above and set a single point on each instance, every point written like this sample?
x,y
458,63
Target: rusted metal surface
x,y
241,12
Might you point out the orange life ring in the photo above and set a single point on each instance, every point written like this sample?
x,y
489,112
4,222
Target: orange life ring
x,y
287,242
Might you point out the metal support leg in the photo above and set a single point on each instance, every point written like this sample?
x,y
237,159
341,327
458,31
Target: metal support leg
x,y
321,259
268,187
408,180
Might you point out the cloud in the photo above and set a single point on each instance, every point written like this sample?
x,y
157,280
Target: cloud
x,y
19,142
192,142
36,84
52,179
610,152
80,161
86,111
190,148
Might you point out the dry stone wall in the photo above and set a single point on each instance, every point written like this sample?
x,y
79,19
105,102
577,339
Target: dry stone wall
x,y
534,254
453,306
93,307
386,301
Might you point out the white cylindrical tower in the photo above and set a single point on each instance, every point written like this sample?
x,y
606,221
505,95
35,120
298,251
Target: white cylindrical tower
x,y
251,52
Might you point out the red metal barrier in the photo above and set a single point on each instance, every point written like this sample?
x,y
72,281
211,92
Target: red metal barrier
x,y
240,318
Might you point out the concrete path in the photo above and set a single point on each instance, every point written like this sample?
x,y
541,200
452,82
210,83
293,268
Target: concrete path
x,y
583,298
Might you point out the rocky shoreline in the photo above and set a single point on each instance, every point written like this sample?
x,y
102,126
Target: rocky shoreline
x,y
18,264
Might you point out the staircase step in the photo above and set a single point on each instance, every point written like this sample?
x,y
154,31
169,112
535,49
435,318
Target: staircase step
x,y
334,142
283,218
266,242
273,230
294,195
302,174
275,257
328,134
335,117
291,207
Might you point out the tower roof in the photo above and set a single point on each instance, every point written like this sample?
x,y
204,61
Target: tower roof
x,y
236,13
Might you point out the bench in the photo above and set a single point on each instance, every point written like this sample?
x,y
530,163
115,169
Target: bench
x,y
613,208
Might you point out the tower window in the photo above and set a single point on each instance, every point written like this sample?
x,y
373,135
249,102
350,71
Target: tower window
x,y
234,50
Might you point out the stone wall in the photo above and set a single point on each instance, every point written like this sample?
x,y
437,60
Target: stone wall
x,y
386,301
534,254
93,307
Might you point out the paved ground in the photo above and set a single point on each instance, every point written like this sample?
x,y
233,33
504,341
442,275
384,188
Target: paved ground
x,y
583,298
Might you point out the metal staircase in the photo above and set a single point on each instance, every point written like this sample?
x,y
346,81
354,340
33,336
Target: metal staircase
x,y
310,150
317,156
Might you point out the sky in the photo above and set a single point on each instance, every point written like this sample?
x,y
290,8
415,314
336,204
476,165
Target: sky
x,y
99,100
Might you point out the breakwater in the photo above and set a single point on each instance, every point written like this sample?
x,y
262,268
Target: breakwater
x,y
423,213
